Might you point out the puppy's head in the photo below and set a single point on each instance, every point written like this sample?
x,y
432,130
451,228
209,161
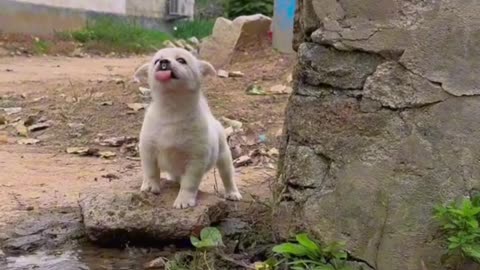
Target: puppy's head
x,y
176,69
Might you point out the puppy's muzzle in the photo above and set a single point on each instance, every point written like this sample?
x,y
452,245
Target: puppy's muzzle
x,y
164,65
164,71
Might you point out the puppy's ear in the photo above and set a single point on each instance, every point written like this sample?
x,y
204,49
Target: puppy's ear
x,y
207,68
142,69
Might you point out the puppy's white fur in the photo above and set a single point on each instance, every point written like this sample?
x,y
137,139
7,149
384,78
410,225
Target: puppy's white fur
x,y
179,135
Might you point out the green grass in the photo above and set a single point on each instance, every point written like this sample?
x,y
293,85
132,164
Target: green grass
x,y
107,34
42,46
197,28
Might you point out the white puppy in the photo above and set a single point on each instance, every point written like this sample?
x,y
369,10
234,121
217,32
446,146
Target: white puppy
x,y
179,135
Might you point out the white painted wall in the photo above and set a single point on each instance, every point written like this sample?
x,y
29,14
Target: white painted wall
x,y
110,6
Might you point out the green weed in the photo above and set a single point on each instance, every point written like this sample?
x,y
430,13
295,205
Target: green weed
x,y
107,34
307,254
460,223
235,8
197,28
41,46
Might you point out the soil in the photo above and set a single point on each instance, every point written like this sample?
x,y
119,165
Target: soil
x,y
84,100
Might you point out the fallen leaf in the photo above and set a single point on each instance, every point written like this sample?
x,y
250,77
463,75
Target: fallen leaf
x,y
106,103
255,90
110,176
158,263
39,98
228,131
30,120
22,130
12,110
137,106
236,74
76,126
242,161
289,78
98,94
70,99
233,123
273,152
236,151
28,141
222,73
83,151
117,141
280,89
144,91
39,126
106,154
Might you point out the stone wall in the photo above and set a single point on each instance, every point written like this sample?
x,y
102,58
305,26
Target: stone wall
x,y
383,123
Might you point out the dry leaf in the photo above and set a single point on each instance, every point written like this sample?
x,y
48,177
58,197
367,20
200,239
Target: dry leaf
x,y
235,74
137,106
273,152
228,131
222,73
107,154
233,123
12,110
39,126
242,161
82,151
28,141
22,130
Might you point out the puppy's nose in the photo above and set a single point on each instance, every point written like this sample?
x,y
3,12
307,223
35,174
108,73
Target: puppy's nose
x,y
164,64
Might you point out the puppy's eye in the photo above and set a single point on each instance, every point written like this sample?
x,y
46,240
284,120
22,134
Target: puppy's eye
x,y
181,61
156,62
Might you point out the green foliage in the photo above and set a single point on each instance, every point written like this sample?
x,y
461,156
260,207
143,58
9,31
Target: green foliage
x,y
460,222
209,238
235,8
197,28
307,254
41,46
115,35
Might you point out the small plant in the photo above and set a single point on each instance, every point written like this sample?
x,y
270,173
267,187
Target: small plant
x,y
209,238
460,222
307,254
197,28
108,34
235,8
41,46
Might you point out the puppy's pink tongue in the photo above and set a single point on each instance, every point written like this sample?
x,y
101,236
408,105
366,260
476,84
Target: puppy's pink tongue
x,y
163,75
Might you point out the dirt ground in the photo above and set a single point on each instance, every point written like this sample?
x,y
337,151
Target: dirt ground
x,y
84,101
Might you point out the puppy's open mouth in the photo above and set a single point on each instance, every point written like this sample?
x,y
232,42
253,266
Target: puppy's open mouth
x,y
164,75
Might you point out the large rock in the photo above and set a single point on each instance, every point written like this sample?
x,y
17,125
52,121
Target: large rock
x,y
382,124
228,36
135,217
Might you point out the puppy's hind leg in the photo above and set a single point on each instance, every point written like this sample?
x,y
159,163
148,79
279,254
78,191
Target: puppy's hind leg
x,y
151,172
226,170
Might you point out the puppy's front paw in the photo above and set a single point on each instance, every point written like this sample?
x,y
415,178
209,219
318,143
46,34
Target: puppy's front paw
x,y
184,201
233,196
150,186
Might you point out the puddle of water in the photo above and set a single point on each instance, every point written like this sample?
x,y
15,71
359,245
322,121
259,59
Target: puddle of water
x,y
85,258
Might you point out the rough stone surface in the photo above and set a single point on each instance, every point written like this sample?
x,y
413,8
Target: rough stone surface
x,y
382,124
346,70
228,36
50,229
395,87
118,218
